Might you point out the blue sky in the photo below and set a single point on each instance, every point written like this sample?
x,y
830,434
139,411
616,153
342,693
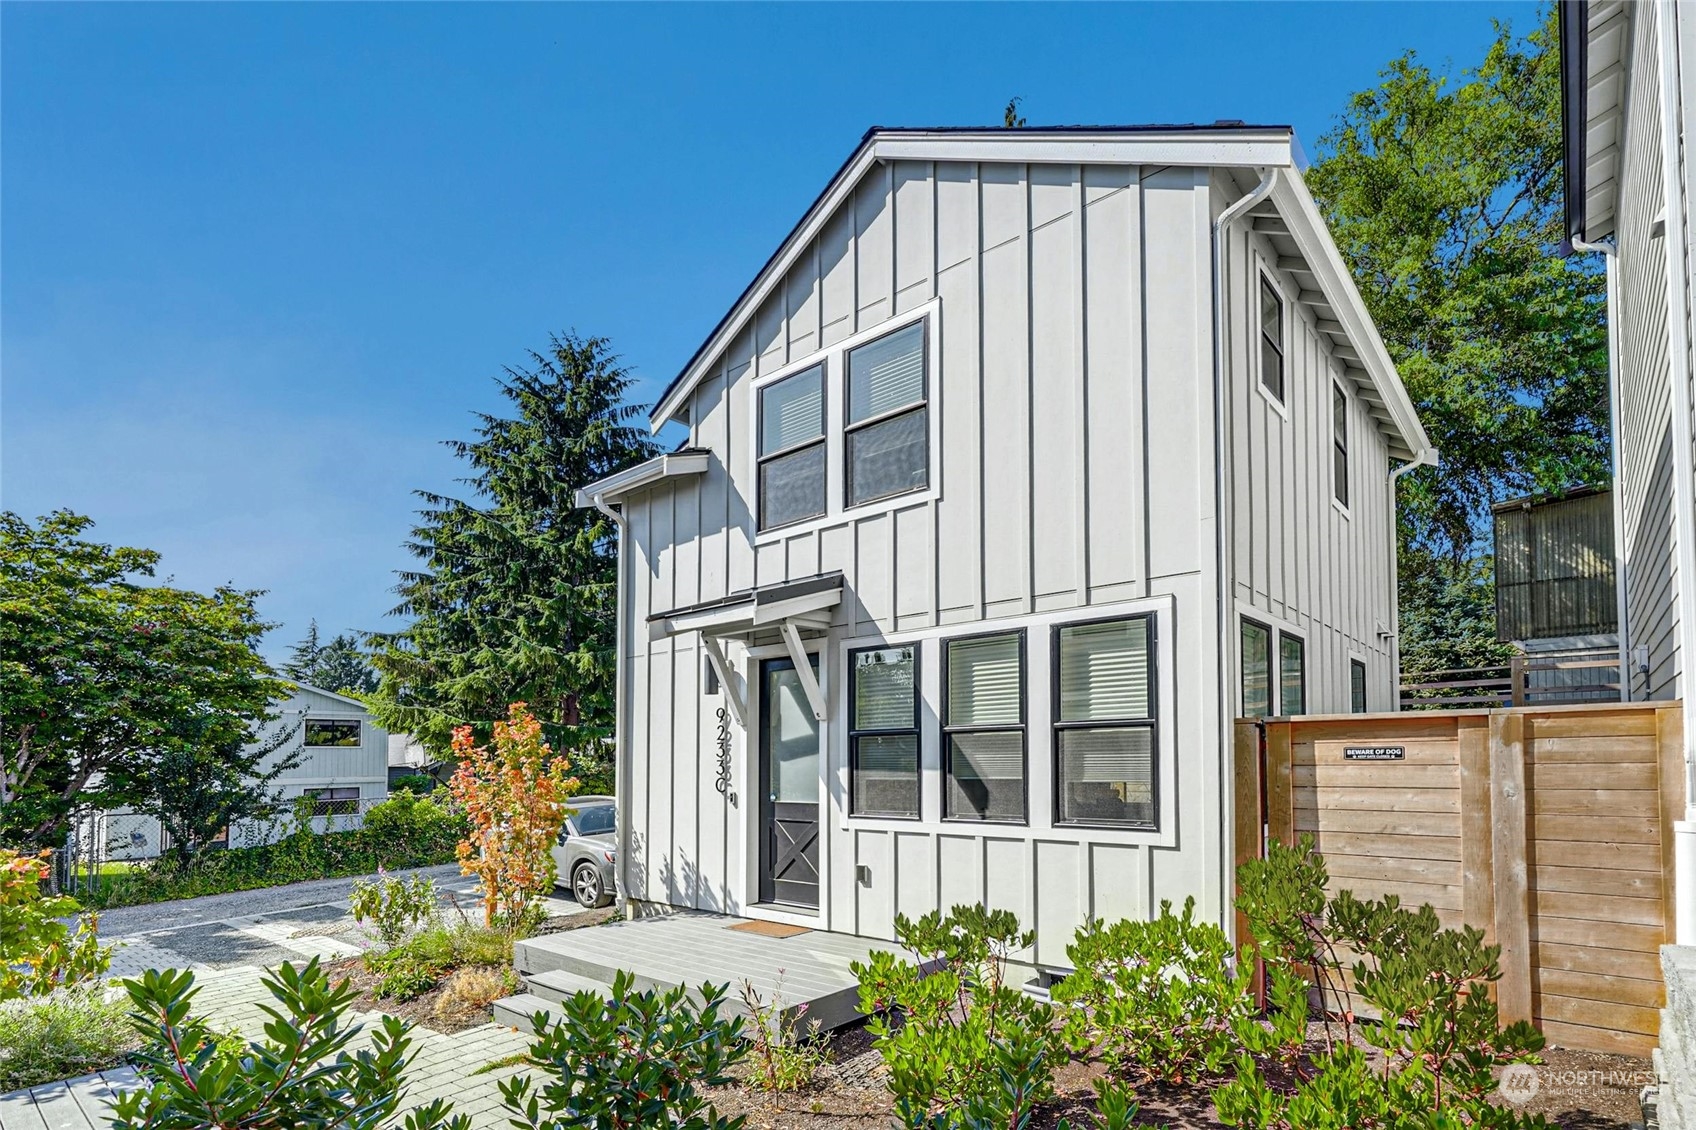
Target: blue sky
x,y
256,260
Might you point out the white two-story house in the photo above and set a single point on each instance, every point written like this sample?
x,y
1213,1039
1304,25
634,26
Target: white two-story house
x,y
1030,460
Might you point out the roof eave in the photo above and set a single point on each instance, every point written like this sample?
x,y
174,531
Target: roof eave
x,y
670,465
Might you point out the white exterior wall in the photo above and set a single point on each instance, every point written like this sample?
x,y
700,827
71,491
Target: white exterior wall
x,y
1072,477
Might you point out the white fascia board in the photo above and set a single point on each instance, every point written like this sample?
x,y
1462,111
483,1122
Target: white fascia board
x,y
666,466
1214,148
1307,228
354,702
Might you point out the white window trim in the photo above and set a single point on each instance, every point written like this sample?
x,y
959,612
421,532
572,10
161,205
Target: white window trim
x,y
1264,273
835,360
1039,764
1338,384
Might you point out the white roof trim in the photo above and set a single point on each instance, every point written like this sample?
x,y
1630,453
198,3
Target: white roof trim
x,y
328,694
669,465
1206,147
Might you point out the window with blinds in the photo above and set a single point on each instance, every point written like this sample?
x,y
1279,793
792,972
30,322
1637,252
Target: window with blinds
x,y
888,428
1104,723
983,728
1292,675
1257,670
792,449
883,734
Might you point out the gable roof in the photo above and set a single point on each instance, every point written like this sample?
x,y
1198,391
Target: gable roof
x,y
1222,145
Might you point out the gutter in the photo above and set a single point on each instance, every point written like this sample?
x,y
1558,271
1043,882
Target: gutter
x,y
1222,540
620,731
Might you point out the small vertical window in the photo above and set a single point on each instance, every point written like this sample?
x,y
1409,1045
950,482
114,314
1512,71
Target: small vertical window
x,y
1271,340
1340,443
792,449
1257,670
883,736
1292,675
888,429
1104,726
1357,686
983,728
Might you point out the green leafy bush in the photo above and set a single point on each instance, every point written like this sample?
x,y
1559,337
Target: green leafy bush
x,y
419,784
59,1035
1439,1033
394,906
420,962
959,1043
784,1059
302,1074
38,952
1163,997
630,1059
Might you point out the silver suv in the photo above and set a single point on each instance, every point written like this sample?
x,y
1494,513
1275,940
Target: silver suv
x,y
583,857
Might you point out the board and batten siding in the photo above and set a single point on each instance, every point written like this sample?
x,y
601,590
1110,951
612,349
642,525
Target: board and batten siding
x,y
1069,307
1299,562
367,765
1644,432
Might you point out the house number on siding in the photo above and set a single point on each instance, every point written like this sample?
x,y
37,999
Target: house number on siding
x,y
722,783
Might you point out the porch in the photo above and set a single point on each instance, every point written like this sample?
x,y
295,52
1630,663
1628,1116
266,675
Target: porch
x,y
806,967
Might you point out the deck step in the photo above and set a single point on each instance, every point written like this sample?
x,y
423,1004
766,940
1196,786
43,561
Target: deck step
x,y
556,985
532,960
515,1012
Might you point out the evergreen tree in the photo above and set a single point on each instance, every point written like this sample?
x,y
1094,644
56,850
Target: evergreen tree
x,y
339,665
515,597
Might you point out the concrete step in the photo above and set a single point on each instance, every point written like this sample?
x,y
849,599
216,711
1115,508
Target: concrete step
x,y
515,1012
556,985
532,960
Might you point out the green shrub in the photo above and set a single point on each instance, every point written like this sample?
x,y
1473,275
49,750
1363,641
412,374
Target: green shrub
x,y
419,963
38,952
1440,1034
1161,997
425,823
961,1046
59,1035
419,784
631,1059
302,1074
784,1059
394,907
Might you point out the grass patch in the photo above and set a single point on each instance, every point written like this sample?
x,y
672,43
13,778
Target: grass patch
x,y
64,1034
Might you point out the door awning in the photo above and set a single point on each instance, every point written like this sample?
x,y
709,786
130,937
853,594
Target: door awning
x,y
785,607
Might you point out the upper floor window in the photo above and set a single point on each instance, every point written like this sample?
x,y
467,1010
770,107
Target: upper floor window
x,y
792,449
1340,444
1104,723
883,737
983,727
1271,340
331,732
888,429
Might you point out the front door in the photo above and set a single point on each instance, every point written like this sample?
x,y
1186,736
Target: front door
x,y
789,772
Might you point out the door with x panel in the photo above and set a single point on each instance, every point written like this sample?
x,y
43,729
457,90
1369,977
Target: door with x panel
x,y
789,798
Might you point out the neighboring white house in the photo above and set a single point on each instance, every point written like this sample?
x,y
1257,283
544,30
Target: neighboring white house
x,y
343,766
1030,460
1628,83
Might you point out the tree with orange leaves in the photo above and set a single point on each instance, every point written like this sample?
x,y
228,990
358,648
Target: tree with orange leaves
x,y
514,790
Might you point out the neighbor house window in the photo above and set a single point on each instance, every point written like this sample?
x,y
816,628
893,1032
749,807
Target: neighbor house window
x,y
1104,736
888,430
983,728
334,802
329,732
1271,339
792,449
883,736
1340,444
1257,670
1357,686
1292,675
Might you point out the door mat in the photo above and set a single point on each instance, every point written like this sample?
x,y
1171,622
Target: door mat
x,y
770,929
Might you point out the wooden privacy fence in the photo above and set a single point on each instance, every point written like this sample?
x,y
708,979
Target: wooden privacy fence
x,y
1549,828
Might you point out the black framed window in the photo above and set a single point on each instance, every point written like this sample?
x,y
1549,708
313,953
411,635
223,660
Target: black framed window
x,y
1292,675
983,728
334,802
888,425
1357,686
1271,339
883,733
1257,670
792,449
1104,723
331,732
1340,444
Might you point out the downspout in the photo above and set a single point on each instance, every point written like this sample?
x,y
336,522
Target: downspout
x,y
620,731
1224,538
1426,457
1675,247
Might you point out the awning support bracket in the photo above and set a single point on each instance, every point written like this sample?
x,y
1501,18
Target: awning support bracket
x,y
732,686
804,668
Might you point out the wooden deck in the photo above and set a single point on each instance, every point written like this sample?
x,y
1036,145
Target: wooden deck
x,y
664,951
76,1104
